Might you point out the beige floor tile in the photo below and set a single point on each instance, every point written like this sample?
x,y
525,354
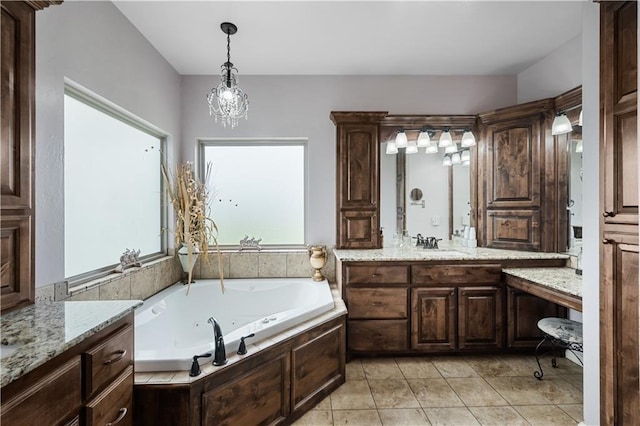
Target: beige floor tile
x,y
315,418
356,417
575,380
450,416
454,368
545,415
403,417
565,367
325,404
519,390
392,394
434,393
476,392
519,365
576,411
498,416
418,368
559,391
354,370
489,366
381,368
352,396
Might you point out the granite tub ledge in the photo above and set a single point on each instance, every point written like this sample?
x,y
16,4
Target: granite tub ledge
x,y
37,333
558,285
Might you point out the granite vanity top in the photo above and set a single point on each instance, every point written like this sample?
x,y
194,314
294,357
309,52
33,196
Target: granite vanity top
x,y
37,333
561,279
447,251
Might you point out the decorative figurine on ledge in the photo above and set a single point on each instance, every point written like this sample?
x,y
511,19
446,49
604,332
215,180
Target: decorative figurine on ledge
x,y
247,242
128,259
317,258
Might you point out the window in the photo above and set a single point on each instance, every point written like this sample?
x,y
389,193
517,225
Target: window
x,y
112,185
258,189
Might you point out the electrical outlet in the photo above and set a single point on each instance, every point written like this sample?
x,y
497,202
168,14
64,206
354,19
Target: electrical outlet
x,y
435,220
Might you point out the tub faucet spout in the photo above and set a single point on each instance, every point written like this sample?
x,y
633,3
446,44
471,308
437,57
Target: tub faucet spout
x,y
219,353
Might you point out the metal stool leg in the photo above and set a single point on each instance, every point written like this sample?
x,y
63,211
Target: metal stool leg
x,y
538,374
554,364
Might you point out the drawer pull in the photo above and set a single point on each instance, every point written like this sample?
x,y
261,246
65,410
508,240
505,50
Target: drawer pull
x,y
121,415
120,354
607,241
376,303
608,214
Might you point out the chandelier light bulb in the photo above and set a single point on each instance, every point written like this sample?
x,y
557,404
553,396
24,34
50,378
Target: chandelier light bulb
x,y
412,148
445,139
455,158
446,161
465,156
391,148
468,139
401,139
561,125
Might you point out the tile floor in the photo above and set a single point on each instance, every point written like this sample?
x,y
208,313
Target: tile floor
x,y
471,390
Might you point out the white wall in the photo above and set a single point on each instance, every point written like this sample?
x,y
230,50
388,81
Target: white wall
x,y
590,215
93,44
556,73
300,106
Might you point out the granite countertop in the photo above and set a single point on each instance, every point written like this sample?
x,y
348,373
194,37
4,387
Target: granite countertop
x,y
37,333
561,279
447,251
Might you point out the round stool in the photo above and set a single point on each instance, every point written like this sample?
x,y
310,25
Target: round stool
x,y
561,332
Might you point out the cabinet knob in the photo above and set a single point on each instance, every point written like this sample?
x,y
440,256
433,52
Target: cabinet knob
x,y
607,241
608,214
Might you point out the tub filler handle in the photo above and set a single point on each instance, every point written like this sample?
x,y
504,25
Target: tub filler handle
x,y
242,349
219,353
195,367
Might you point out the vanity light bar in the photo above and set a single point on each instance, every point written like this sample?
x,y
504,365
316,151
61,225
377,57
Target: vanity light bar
x,y
425,140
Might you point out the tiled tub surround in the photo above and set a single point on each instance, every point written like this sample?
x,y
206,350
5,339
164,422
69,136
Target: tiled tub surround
x,y
172,326
280,377
42,331
155,276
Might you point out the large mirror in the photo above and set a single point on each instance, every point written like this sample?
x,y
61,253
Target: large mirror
x,y
574,203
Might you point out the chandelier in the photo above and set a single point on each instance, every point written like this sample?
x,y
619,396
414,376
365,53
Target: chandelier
x,y
227,101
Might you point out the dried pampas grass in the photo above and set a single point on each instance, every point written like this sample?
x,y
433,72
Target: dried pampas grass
x,y
194,228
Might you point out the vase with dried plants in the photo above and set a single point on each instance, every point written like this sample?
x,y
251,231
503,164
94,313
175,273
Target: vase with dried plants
x,y
195,231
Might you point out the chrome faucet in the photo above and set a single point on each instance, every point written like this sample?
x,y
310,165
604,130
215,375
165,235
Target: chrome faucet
x,y
219,353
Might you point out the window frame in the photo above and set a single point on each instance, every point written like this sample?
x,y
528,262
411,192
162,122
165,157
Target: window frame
x,y
203,142
101,104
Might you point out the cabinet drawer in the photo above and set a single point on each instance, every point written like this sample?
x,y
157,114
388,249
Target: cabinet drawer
x,y
48,402
455,274
377,303
113,406
377,335
372,274
108,359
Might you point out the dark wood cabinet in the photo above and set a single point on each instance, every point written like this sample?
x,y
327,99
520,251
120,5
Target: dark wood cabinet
x,y
358,182
619,299
91,381
515,212
524,310
480,319
433,319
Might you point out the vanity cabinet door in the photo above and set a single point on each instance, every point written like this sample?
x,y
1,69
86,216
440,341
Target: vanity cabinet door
x,y
480,321
433,319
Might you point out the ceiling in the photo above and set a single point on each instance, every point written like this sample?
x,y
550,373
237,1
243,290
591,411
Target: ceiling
x,y
356,38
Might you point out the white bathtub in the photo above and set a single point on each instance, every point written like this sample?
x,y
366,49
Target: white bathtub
x,y
171,327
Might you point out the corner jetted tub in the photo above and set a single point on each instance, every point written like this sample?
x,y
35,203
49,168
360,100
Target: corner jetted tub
x,y
171,326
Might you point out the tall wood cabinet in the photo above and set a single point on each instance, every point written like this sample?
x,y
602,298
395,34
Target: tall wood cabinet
x,y
619,296
358,183
513,206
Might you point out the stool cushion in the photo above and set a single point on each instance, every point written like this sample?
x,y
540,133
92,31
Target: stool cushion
x,y
562,329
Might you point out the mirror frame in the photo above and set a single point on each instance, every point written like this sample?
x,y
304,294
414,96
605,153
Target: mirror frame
x,y
391,124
